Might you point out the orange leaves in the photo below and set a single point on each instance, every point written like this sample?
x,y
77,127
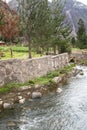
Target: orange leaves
x,y
10,27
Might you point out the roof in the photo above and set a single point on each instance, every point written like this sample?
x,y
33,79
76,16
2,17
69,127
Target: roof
x,y
2,42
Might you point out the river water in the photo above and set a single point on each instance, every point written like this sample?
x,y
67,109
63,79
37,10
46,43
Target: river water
x,y
64,111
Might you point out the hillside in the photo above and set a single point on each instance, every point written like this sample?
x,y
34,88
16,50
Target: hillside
x,y
5,8
13,4
73,9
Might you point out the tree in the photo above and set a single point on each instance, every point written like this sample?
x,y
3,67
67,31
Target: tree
x,y
9,26
81,35
61,30
1,18
42,24
8,22
73,41
9,29
34,19
27,12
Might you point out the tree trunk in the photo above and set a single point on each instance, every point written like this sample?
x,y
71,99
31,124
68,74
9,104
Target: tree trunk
x,y
41,47
11,52
57,49
41,50
54,49
47,51
29,45
29,49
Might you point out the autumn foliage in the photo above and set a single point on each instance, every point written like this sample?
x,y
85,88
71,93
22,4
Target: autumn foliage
x,y
9,27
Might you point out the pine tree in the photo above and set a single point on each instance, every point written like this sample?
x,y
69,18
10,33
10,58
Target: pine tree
x,y
61,30
42,25
27,12
81,35
35,21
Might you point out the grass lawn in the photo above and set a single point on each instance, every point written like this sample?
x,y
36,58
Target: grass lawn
x,y
18,52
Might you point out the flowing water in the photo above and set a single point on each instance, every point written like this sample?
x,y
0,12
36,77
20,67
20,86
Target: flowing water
x,y
64,111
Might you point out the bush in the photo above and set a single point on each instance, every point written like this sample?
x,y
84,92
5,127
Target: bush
x,y
65,47
31,82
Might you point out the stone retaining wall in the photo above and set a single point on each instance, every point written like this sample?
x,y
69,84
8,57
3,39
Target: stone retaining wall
x,y
16,70
80,55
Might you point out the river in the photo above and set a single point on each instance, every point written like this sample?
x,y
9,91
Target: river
x,y
56,111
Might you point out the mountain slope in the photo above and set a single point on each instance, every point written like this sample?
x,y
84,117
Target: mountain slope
x,y
13,4
73,9
5,8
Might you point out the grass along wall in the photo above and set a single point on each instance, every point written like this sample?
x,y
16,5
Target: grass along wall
x,y
17,70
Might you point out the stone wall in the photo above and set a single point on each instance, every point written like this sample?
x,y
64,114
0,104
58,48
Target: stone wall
x,y
16,70
82,55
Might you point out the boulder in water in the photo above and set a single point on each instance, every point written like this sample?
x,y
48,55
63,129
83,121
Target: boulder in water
x,y
36,95
7,105
59,90
21,101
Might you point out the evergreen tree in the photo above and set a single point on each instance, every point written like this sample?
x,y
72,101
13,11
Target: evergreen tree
x,y
61,30
42,24
27,12
81,35
73,41
34,18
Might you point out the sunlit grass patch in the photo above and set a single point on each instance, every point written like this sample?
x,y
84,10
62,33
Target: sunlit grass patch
x,y
18,52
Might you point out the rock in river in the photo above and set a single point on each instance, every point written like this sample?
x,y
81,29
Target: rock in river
x,y
59,90
21,101
7,105
36,95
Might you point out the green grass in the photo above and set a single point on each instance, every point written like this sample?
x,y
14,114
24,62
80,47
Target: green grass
x,y
78,49
41,80
75,49
20,55
14,48
10,86
18,52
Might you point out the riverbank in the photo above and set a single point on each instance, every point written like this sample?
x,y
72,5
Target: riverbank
x,y
36,88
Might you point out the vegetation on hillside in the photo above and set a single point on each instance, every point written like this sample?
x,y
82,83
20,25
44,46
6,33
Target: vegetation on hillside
x,y
42,25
